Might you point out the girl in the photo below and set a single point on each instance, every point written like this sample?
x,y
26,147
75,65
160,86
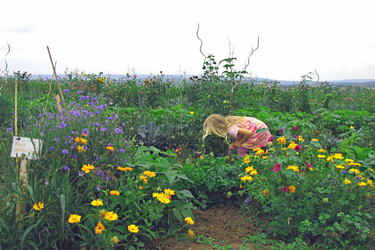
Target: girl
x,y
242,129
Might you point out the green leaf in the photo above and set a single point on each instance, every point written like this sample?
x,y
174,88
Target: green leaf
x,y
63,206
31,192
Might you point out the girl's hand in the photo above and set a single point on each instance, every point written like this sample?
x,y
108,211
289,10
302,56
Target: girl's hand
x,y
231,146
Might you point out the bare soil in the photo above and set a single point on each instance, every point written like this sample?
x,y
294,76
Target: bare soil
x,y
225,226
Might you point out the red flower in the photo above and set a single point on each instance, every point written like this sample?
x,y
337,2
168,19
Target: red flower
x,y
308,164
295,128
298,148
270,139
285,189
276,168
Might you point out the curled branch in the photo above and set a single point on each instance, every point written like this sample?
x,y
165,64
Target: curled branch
x,y
200,48
6,63
252,52
316,72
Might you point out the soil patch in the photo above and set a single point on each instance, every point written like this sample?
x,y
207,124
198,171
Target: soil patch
x,y
219,225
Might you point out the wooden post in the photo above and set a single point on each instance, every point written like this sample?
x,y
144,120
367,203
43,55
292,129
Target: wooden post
x,y
20,207
58,103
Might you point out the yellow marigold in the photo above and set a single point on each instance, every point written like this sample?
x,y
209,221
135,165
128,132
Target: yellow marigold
x,y
266,193
74,218
370,182
349,160
149,173
354,164
38,206
144,178
281,140
338,156
189,220
254,172
133,228
340,167
356,171
97,203
351,127
169,191
321,150
111,216
87,168
247,178
361,183
114,192
191,233
102,213
115,239
346,181
313,139
260,152
124,169
110,148
265,157
300,138
295,168
292,145
321,156
80,140
249,169
81,149
292,189
246,160
162,197
330,158
99,228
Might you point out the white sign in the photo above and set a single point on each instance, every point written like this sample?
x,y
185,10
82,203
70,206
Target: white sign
x,y
24,145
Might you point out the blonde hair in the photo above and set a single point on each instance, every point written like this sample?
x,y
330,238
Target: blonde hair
x,y
218,125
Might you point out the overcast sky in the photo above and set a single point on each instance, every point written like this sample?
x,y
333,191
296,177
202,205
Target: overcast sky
x,y
335,37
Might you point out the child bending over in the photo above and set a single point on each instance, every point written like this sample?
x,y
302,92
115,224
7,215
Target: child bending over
x,y
242,129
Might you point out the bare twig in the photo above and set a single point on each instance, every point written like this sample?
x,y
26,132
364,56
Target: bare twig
x,y
6,63
252,52
200,48
316,72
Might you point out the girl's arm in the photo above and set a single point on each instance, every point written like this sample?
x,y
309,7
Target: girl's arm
x,y
246,135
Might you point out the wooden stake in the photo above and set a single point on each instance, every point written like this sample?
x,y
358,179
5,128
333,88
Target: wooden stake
x,y
20,207
58,103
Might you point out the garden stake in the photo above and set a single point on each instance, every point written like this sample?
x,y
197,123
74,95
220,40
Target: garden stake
x,y
58,84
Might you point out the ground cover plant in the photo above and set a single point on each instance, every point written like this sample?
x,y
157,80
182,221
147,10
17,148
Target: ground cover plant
x,y
123,163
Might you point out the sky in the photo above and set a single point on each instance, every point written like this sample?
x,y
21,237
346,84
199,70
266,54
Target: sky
x,y
335,38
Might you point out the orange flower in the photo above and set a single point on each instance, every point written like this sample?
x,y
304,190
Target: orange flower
x,y
266,193
201,157
110,148
99,228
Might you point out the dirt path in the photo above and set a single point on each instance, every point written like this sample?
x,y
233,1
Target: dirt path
x,y
218,225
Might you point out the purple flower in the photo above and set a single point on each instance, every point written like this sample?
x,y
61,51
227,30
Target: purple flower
x,y
51,149
79,92
270,139
9,130
295,137
57,139
344,172
74,156
122,150
124,160
46,183
81,173
64,151
103,129
247,200
285,189
66,168
62,125
281,130
98,187
66,90
97,124
118,130
85,131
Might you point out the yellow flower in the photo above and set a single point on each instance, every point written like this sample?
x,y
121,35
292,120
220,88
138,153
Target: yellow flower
x,y
254,172
300,138
99,228
369,182
259,152
149,173
80,140
314,139
338,156
266,193
292,189
38,207
356,171
97,203
191,233
133,228
346,181
110,148
192,112
162,197
115,239
321,156
361,183
124,169
114,192
74,218
144,178
295,168
281,140
169,191
265,157
189,221
351,127
292,145
246,160
354,164
111,216
340,167
329,159
349,161
81,149
249,169
247,178
87,168
321,151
